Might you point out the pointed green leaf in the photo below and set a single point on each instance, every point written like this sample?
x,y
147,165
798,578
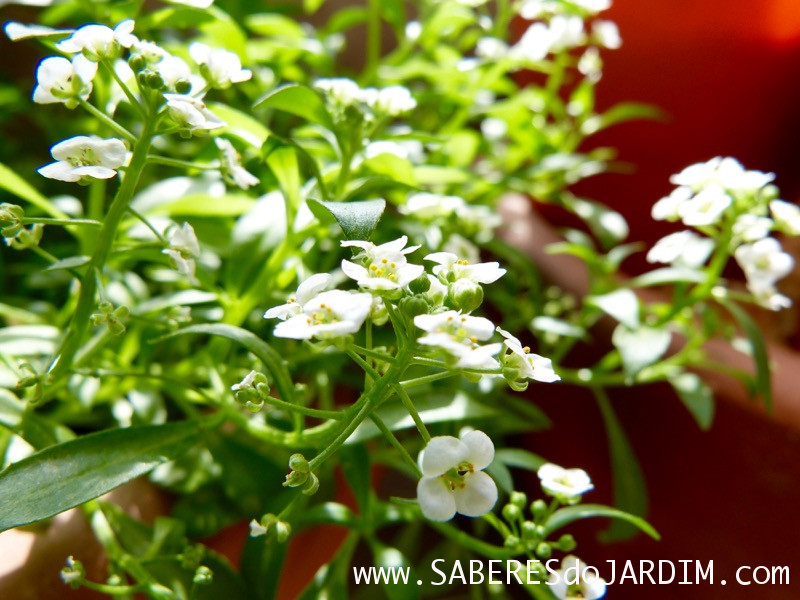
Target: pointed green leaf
x,y
298,100
763,380
570,514
67,475
696,397
519,458
357,219
18,186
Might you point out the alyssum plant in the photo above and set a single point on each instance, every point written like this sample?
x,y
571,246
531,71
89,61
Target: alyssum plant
x,y
230,167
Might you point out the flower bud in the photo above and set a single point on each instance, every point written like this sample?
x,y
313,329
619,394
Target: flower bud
x,y
538,509
203,575
412,306
73,573
282,531
182,86
159,592
105,307
122,312
295,479
312,486
137,62
115,327
528,530
544,550
420,285
511,541
519,499
465,295
566,543
511,513
298,462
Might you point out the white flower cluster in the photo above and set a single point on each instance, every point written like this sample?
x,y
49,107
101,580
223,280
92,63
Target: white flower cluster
x,y
440,213
720,194
575,579
343,93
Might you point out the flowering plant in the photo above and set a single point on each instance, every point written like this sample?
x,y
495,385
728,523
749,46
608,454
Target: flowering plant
x,y
276,260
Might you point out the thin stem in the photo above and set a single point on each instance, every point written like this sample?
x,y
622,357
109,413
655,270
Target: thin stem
x,y
335,415
108,121
373,39
125,89
427,379
372,373
387,433
180,164
412,410
402,335
64,222
372,353
477,546
80,318
148,224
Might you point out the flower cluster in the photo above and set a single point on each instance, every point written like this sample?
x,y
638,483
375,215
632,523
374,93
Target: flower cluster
x,y
720,198
343,93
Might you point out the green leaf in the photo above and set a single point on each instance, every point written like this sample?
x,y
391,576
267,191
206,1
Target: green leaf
x,y
696,396
622,304
394,167
630,491
640,347
240,125
570,514
72,262
501,475
607,225
519,458
357,219
202,205
667,275
624,111
67,475
28,340
274,362
19,187
298,100
274,25
345,19
38,431
329,513
437,175
763,380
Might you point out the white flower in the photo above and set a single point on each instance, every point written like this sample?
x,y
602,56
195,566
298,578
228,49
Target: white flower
x,y
751,228
59,80
594,6
191,114
491,48
768,296
82,157
374,149
98,42
453,479
393,100
340,90
763,262
173,70
458,335
706,207
183,249
494,128
727,173
668,208
246,383
231,166
534,44
383,267
590,64
220,68
305,292
567,485
576,580
413,30
682,248
566,32
426,206
257,529
527,364
450,268
786,215
331,314
607,34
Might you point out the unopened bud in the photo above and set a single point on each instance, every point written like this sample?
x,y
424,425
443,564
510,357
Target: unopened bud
x,y
538,509
312,486
298,462
518,499
465,295
544,550
511,513
183,86
420,285
412,306
566,543
203,575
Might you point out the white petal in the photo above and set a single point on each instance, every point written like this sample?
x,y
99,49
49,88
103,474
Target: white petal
x,y
481,449
312,286
95,171
435,499
61,170
296,328
442,454
477,497
354,271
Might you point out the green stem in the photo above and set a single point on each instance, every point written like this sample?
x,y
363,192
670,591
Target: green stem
x,y
427,379
372,373
387,433
125,89
335,415
86,299
373,39
149,225
412,410
64,222
372,353
477,546
180,164
108,121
